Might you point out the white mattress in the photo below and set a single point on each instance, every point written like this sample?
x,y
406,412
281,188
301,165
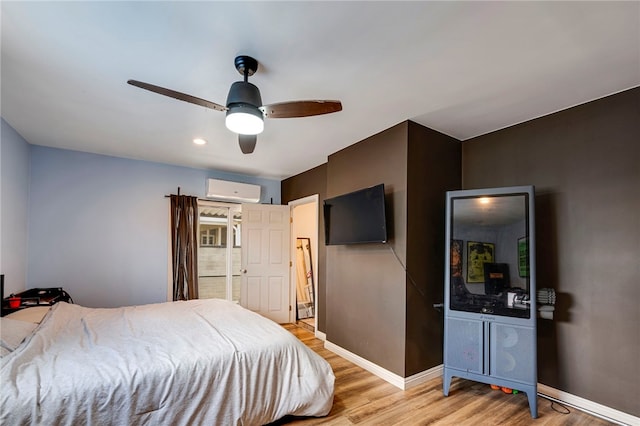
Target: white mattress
x,y
208,362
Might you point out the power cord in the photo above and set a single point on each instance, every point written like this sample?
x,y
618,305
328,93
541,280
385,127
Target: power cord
x,y
566,410
407,272
554,402
437,306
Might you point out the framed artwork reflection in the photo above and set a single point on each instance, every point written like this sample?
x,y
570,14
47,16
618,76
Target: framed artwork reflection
x,y
456,258
523,257
477,255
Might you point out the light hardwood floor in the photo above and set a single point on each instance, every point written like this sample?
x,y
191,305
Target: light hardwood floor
x,y
362,398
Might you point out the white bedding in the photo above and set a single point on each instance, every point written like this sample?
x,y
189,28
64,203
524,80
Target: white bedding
x,y
202,362
13,333
34,314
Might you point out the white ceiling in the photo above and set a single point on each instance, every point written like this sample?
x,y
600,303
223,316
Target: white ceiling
x,y
462,68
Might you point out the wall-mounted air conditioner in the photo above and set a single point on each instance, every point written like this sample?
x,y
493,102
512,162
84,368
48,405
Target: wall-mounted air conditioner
x,y
236,192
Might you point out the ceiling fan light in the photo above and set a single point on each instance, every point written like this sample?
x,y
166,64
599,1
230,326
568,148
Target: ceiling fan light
x,y
244,119
243,92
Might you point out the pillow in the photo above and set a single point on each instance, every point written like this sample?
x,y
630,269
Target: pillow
x,y
14,332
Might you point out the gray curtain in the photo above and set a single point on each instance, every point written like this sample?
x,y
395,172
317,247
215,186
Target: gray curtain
x,y
184,246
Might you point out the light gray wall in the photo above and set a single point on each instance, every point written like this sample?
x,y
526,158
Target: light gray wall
x,y
14,195
99,225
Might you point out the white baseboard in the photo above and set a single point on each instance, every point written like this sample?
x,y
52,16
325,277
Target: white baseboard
x,y
590,407
423,376
593,408
384,374
320,335
396,380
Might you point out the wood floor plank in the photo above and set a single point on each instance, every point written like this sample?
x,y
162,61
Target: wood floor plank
x,y
362,398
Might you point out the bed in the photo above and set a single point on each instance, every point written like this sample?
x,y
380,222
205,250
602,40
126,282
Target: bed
x,y
199,362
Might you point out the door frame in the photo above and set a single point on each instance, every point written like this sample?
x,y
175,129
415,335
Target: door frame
x,y
315,200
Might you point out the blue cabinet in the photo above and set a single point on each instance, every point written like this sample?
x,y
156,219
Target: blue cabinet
x,y
490,321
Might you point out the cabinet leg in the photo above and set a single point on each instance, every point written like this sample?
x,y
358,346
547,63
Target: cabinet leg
x,y
532,396
446,382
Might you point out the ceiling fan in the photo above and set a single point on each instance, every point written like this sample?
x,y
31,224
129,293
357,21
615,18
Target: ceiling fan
x,y
245,112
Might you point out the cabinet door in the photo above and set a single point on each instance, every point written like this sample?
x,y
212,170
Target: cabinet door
x,y
464,345
512,352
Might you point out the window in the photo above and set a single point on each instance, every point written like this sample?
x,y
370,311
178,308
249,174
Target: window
x,y
219,250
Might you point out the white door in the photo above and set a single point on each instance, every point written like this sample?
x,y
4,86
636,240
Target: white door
x,y
265,261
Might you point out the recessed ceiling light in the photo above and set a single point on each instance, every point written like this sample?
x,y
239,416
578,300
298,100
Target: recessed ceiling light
x,y
199,141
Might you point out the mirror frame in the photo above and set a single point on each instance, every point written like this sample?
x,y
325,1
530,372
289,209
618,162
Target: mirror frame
x,y
529,192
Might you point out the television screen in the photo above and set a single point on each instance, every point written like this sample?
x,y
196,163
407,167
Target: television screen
x,y
357,217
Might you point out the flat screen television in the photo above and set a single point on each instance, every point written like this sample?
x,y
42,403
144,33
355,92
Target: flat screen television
x,y
355,218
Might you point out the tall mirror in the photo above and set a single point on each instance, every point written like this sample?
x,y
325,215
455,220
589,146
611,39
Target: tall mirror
x,y
489,253
304,279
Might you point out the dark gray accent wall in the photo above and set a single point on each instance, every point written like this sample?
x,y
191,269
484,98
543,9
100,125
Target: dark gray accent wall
x,y
311,182
433,168
585,165
374,308
366,295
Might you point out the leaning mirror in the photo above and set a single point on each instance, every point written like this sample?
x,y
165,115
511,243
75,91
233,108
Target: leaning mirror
x,y
304,279
490,240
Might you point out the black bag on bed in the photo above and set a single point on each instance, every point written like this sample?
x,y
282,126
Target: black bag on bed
x,y
43,296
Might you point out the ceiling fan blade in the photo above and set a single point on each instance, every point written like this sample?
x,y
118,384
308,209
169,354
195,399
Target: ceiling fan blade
x,y
177,95
247,143
300,108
